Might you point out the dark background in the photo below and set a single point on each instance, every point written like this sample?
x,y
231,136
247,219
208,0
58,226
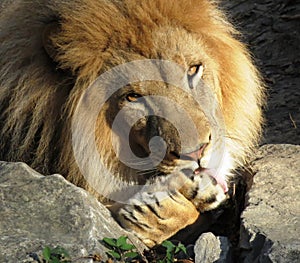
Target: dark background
x,y
271,28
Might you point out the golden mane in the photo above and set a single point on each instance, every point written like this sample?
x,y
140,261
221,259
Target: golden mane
x,y
38,96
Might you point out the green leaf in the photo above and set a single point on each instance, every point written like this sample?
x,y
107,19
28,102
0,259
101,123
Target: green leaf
x,y
122,243
170,248
169,257
110,241
168,245
46,253
54,260
180,247
122,240
60,251
113,254
127,247
131,255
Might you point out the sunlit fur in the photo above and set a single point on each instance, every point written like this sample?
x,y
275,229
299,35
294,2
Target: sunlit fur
x,y
38,97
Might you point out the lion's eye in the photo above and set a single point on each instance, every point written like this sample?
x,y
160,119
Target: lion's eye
x,y
194,74
133,97
194,70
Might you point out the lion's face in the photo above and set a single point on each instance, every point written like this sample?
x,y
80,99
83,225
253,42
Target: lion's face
x,y
152,126
158,126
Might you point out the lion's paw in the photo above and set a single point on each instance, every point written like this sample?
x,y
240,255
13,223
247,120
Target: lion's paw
x,y
157,220
171,203
204,190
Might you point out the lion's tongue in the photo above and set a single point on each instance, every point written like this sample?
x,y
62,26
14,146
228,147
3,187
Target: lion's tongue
x,y
219,178
221,181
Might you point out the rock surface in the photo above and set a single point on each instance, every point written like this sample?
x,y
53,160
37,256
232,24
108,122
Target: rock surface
x,y
38,211
210,248
271,221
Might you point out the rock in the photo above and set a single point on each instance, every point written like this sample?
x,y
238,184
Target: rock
x,y
271,221
38,211
210,248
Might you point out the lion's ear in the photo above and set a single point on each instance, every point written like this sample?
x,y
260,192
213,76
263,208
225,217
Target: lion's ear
x,y
50,30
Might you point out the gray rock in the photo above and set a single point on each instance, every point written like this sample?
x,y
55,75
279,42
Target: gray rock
x,y
38,211
210,248
271,222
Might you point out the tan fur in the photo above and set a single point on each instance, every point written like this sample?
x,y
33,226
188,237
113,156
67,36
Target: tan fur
x,y
38,96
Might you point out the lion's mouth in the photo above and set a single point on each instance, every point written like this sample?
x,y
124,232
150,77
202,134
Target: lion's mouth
x,y
194,157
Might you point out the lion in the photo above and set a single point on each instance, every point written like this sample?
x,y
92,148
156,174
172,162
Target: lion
x,y
163,146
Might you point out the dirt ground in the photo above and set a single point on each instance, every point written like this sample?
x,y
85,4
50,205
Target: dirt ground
x,y
271,28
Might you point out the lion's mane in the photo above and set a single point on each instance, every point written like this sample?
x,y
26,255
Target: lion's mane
x,y
38,95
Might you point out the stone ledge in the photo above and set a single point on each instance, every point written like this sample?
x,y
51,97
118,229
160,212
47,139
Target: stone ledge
x,y
38,211
271,221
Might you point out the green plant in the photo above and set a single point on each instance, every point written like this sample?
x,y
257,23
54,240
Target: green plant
x,y
171,251
55,255
120,249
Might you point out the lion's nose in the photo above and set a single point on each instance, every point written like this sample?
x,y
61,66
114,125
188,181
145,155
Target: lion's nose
x,y
194,155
